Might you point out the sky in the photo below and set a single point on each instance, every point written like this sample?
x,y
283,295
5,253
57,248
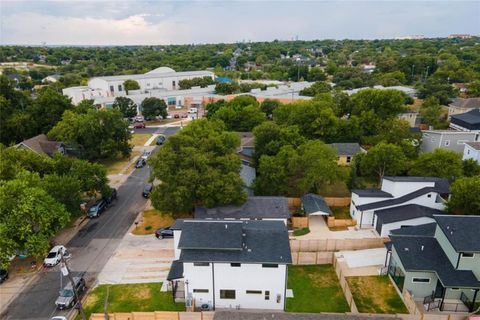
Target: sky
x,y
134,22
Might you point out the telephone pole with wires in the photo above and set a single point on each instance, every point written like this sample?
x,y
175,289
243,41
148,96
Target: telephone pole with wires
x,y
66,272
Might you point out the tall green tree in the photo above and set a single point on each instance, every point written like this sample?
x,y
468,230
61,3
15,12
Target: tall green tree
x,y
465,198
438,163
198,166
268,105
431,111
383,159
153,107
126,106
47,109
384,103
131,85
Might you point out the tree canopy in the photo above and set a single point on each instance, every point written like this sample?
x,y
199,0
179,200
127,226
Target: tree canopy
x,y
153,107
126,106
465,198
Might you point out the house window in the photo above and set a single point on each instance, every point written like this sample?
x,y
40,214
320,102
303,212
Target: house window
x,y
173,84
254,291
468,255
267,295
201,264
421,280
269,265
447,143
235,264
200,290
227,294
349,159
111,88
429,195
119,87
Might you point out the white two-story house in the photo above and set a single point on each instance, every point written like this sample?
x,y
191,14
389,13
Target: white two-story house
x,y
430,192
232,264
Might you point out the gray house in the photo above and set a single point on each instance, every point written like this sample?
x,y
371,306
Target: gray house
x,y
438,263
461,105
446,139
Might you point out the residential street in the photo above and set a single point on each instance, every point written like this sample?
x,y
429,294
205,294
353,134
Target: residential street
x,y
91,248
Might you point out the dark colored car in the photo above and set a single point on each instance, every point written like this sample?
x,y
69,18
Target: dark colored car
x,y
146,191
97,208
161,139
3,275
164,233
176,116
139,125
111,197
141,163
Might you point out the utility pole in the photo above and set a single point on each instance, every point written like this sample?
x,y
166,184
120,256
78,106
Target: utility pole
x,y
66,272
105,304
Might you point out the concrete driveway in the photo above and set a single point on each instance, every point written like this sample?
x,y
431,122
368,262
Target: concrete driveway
x,y
319,230
138,259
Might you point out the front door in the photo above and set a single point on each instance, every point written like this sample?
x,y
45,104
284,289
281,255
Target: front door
x,y
439,290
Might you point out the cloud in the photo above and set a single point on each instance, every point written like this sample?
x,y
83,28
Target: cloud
x,y
159,22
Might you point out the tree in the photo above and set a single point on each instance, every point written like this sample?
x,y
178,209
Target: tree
x,y
213,107
28,219
126,106
96,134
465,198
240,119
471,168
473,89
225,88
268,105
316,74
438,163
316,88
431,111
383,159
84,106
198,166
153,107
131,85
47,109
437,88
294,172
384,103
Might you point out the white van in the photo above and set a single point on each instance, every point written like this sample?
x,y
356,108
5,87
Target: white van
x,y
193,110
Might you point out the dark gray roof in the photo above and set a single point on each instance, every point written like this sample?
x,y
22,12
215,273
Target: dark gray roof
x,y
372,193
469,120
314,203
424,230
463,232
177,225
246,315
225,235
261,242
176,270
346,149
406,212
441,186
425,254
253,208
247,151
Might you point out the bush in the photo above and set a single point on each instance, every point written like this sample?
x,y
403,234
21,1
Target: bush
x,y
148,228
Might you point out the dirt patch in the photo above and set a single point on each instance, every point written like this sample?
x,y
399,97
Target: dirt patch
x,y
91,299
150,221
322,279
143,293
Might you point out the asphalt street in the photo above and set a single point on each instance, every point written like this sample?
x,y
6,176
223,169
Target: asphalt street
x,y
90,248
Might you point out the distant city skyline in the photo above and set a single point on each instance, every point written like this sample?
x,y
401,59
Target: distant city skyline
x,y
183,22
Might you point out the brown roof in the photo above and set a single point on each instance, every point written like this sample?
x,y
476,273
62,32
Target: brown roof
x,y
466,103
474,145
41,145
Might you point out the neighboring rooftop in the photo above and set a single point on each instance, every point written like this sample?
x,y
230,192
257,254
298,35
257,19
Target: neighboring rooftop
x,y
372,193
474,145
152,74
463,232
247,241
426,254
469,120
247,139
346,149
176,270
253,208
313,203
423,230
41,145
465,103
406,212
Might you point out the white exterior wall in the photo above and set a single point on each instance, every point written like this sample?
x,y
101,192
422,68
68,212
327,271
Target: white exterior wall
x,y
243,278
398,189
357,201
471,153
386,228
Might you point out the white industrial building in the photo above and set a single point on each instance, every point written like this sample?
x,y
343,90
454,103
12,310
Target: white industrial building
x,y
222,264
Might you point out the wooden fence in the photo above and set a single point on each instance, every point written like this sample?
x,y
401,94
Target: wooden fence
x,y
156,315
413,308
299,222
344,284
332,222
306,258
331,245
337,201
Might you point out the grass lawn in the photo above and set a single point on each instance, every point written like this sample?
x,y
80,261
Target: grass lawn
x,y
131,297
336,189
115,166
341,212
315,289
375,294
139,139
151,221
301,231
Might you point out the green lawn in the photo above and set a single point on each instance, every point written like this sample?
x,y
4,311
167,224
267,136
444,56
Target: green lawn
x,y
131,297
315,289
301,231
375,294
341,212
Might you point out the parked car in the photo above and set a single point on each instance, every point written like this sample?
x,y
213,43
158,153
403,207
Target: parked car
x,y
185,115
139,125
55,256
176,116
66,298
164,233
146,190
3,275
58,318
111,197
139,119
97,208
141,163
161,139
146,154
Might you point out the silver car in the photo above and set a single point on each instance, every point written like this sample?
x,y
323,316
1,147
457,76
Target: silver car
x,y
66,298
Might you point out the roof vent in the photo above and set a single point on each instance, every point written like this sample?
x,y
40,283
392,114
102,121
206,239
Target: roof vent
x,y
249,250
406,249
422,248
226,226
